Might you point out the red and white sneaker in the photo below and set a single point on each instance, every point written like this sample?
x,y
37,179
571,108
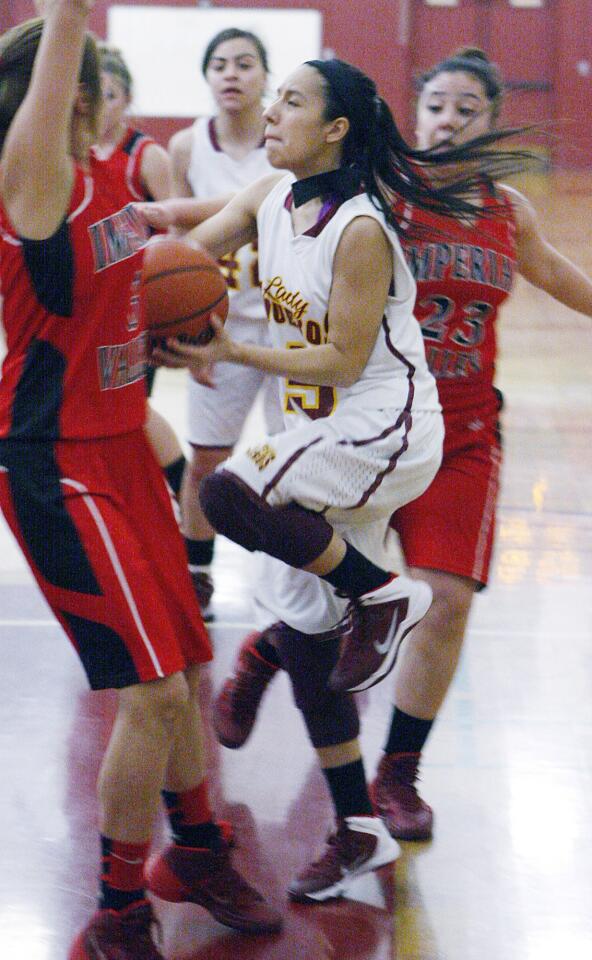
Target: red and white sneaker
x,y
235,708
395,798
382,618
359,845
207,877
118,935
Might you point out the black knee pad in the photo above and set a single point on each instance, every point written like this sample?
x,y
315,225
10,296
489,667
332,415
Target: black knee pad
x,y
331,718
290,533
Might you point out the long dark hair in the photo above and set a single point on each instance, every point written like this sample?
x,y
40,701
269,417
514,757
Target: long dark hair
x,y
388,168
18,49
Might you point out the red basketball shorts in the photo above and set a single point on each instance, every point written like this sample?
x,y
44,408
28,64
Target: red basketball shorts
x,y
451,526
95,522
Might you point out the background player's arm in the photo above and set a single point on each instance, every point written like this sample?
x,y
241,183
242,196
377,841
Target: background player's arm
x,y
361,279
180,154
543,265
37,174
156,172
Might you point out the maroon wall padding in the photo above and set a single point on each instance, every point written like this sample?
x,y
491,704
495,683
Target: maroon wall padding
x,y
384,38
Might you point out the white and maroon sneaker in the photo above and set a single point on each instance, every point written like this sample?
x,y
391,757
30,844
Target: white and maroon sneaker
x,y
359,845
382,618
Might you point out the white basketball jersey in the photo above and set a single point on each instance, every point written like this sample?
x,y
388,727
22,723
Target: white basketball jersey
x,y
212,173
296,277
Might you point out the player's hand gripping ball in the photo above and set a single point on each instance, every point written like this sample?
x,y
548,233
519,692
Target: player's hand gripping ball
x,y
182,286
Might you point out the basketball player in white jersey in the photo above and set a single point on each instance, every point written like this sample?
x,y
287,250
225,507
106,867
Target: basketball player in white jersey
x,y
363,425
218,156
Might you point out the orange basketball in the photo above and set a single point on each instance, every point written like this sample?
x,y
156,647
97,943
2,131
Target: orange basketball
x,y
181,287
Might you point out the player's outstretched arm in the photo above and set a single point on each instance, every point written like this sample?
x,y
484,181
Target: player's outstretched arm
x,y
36,175
236,224
543,265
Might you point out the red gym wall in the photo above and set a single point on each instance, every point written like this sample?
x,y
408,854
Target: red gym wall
x,y
545,53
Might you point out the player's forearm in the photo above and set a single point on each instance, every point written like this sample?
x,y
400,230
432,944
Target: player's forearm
x,y
323,365
561,279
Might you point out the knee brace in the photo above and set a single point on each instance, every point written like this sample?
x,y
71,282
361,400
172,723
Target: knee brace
x,y
290,533
331,718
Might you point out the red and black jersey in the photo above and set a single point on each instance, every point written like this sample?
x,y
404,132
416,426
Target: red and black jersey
x,y
464,272
76,345
125,166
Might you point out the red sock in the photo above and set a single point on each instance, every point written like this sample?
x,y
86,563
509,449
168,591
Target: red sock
x,y
189,807
122,873
190,816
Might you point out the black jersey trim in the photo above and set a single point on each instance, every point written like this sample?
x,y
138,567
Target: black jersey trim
x,y
50,265
45,525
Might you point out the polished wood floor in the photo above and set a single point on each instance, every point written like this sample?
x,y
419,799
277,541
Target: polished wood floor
x,y
508,768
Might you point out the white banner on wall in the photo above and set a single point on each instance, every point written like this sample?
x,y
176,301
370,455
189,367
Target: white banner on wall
x,y
163,48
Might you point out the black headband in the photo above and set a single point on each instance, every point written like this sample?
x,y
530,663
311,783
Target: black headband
x,y
337,80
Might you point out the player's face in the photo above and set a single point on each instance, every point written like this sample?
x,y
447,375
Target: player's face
x,y
114,106
236,75
452,108
297,135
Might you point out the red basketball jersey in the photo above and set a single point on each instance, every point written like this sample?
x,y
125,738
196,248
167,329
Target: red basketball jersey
x,y
463,273
76,345
124,165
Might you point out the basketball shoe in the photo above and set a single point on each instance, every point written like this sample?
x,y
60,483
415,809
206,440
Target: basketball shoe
x,y
204,590
207,877
395,798
381,619
235,708
359,845
118,935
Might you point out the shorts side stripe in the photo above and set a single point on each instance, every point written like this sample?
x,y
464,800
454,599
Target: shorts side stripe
x,y
112,553
488,516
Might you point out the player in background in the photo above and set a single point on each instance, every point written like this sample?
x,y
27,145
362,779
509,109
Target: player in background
x,y
362,429
141,170
217,156
447,534
100,538
464,271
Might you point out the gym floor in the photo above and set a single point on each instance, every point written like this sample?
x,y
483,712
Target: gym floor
x,y
508,767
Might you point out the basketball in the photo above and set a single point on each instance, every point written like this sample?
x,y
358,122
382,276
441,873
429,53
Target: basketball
x,y
181,287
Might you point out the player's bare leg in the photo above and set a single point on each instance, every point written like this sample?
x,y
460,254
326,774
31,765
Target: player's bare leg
x,y
166,447
425,670
196,866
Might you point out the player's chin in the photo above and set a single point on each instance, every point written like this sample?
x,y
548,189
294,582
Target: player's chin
x,y
273,149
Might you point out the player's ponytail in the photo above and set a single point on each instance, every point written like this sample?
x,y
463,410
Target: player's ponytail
x,y
387,168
